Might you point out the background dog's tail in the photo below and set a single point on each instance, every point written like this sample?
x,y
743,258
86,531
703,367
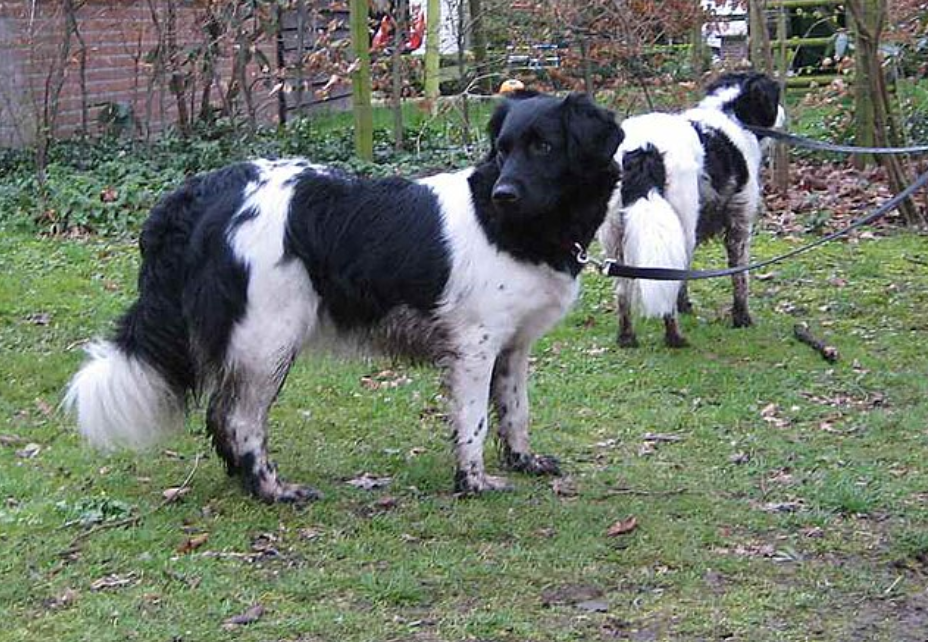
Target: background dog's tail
x,y
653,233
133,387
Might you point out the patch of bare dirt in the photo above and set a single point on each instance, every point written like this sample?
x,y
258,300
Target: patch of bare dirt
x,y
902,619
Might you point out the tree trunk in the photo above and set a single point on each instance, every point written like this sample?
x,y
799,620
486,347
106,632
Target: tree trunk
x,y
873,107
177,81
54,82
478,43
72,25
433,54
462,72
361,82
762,59
399,37
586,64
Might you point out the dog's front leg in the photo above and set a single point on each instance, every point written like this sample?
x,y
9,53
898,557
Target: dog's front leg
x,y
469,381
510,398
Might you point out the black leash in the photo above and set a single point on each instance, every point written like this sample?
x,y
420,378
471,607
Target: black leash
x,y
808,143
612,268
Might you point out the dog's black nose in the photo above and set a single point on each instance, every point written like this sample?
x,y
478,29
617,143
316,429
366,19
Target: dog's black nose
x,y
505,194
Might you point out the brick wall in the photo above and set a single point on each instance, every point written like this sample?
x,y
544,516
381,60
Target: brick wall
x,y
119,37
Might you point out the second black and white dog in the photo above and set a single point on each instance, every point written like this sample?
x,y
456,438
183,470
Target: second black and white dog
x,y
687,177
245,267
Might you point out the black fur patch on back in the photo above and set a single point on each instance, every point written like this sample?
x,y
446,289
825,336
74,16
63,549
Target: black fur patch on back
x,y
642,171
369,246
174,286
216,295
725,165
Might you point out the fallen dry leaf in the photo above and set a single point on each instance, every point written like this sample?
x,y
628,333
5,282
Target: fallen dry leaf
x,y
192,543
593,606
739,458
11,440
564,486
386,503
385,379
175,493
251,615
622,527
39,318
309,533
113,581
771,414
661,437
570,594
366,481
65,599
29,451
44,407
646,449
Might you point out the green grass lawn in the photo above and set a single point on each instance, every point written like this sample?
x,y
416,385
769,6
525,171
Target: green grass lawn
x,y
789,500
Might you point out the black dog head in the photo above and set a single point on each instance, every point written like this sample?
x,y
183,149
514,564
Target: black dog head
x,y
757,100
547,148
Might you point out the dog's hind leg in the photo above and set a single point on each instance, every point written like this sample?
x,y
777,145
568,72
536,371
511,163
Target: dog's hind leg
x,y
738,247
509,389
623,303
684,305
612,237
261,350
673,338
237,421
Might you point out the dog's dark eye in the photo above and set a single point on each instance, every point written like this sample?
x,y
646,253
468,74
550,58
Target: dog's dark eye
x,y
541,148
501,153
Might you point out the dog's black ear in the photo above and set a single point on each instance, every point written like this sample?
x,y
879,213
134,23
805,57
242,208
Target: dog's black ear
x,y
496,124
757,105
592,132
502,110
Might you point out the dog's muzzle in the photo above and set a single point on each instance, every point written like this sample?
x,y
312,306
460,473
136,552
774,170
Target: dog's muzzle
x,y
506,194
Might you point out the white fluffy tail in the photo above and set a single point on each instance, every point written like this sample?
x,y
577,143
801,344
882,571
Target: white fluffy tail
x,y
120,401
654,237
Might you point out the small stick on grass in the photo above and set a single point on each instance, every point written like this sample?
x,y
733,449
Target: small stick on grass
x,y
804,335
645,493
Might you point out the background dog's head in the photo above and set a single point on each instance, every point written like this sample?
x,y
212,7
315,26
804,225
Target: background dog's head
x,y
545,148
753,97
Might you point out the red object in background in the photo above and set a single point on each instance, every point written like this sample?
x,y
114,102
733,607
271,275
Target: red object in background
x,y
416,29
383,37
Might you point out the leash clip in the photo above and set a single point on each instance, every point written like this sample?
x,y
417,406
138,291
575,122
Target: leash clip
x,y
585,259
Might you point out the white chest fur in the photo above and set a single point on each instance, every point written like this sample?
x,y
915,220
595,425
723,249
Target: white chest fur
x,y
490,292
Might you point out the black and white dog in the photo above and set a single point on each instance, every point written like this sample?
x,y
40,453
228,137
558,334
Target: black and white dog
x,y
687,177
245,267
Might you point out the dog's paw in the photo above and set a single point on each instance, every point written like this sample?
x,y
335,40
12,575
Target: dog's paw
x,y
532,464
287,493
470,484
676,341
627,341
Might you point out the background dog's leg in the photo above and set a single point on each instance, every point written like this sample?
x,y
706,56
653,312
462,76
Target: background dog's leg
x,y
738,246
623,302
469,380
510,398
684,305
672,336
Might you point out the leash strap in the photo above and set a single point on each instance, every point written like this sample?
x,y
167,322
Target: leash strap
x,y
808,143
611,268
